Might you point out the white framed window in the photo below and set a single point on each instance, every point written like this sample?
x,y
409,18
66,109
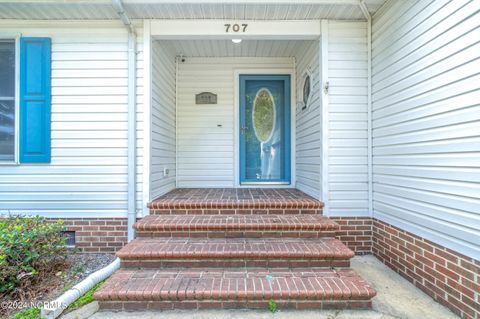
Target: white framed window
x,y
8,101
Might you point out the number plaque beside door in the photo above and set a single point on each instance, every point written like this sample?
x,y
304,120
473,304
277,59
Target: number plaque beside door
x,y
206,98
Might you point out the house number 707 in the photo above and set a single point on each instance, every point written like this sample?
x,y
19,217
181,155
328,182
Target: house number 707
x,y
235,27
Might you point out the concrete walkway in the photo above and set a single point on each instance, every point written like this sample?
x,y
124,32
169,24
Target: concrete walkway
x,y
396,298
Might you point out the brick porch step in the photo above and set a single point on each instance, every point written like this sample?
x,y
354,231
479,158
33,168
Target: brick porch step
x,y
234,288
235,252
231,201
215,226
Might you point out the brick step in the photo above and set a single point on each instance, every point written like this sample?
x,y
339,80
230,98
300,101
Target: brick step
x,y
235,252
232,201
234,288
221,226
203,210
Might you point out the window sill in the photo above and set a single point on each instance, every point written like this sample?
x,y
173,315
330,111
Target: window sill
x,y
8,163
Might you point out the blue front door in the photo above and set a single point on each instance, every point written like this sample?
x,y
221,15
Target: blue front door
x,y
265,129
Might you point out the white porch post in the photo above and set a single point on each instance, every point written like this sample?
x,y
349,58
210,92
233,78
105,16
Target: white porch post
x,y
364,9
324,116
147,118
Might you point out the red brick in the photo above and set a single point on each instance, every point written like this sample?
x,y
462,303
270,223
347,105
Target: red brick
x,y
447,272
438,260
423,245
424,261
470,266
471,285
447,256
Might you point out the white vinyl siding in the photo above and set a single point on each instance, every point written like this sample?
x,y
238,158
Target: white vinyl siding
x,y
347,113
87,176
308,122
163,121
205,133
426,120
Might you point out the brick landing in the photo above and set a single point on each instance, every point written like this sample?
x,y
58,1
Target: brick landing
x,y
235,201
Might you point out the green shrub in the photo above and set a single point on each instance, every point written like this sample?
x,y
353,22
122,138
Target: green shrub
x,y
30,313
30,247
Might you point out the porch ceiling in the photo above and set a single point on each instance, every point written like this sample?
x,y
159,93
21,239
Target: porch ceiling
x,y
188,9
225,48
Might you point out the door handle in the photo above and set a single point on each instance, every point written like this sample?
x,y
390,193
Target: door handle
x,y
243,129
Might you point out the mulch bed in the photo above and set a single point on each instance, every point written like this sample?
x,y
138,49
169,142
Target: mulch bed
x,y
77,267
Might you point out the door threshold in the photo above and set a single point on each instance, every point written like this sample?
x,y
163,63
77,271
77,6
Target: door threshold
x,y
264,183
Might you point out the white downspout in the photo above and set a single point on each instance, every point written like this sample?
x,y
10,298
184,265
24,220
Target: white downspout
x,y
132,110
132,133
53,309
364,9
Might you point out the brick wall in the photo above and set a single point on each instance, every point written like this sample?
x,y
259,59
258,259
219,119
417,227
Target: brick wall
x,y
98,234
445,275
110,234
356,233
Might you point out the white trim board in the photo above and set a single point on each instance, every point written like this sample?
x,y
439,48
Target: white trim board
x,y
236,136
65,214
62,24
16,160
338,2
254,30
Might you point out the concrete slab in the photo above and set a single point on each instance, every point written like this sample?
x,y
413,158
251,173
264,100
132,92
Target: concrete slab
x,y
396,299
396,296
82,313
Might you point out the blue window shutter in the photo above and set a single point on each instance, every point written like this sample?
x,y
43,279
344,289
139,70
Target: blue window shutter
x,y
35,100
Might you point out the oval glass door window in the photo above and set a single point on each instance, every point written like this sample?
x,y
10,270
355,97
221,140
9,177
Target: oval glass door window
x,y
263,115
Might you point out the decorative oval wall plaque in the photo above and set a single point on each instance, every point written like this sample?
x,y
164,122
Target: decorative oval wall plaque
x,y
263,115
306,91
206,98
